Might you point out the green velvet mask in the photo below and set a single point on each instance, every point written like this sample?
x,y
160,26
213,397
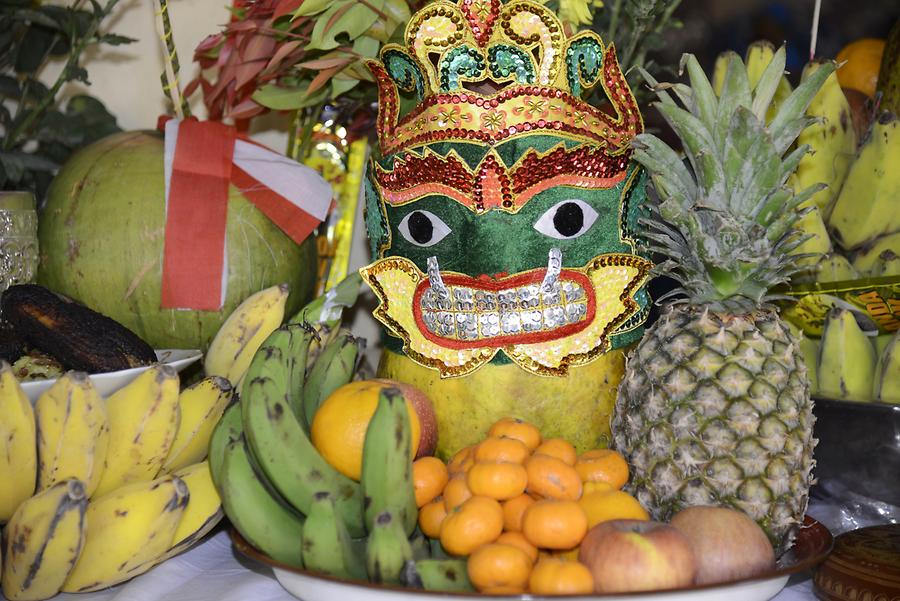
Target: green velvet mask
x,y
504,210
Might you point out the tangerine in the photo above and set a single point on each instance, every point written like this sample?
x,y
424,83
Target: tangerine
x,y
498,566
863,61
554,576
429,479
476,522
339,426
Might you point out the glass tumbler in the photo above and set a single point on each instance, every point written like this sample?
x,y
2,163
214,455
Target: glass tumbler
x,y
18,238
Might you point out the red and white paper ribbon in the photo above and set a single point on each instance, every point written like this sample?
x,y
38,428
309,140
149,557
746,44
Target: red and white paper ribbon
x,y
202,158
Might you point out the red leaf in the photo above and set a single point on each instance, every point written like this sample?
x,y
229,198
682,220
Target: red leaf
x,y
280,54
326,63
286,6
246,109
245,72
259,47
337,15
321,79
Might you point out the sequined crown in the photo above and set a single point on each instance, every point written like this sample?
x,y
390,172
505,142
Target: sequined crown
x,y
485,71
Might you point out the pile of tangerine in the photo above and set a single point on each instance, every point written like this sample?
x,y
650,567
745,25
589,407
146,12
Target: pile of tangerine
x,y
519,506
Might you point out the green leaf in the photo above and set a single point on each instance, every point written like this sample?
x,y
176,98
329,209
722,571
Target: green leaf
x,y
9,87
783,125
288,98
735,93
33,49
312,7
665,166
350,18
768,84
12,166
342,85
366,47
76,73
37,17
700,150
116,40
703,97
752,167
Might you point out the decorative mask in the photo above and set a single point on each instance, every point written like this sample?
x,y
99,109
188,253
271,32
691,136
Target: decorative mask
x,y
503,211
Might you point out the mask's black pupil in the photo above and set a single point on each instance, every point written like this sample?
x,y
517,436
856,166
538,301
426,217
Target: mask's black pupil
x,y
569,219
420,227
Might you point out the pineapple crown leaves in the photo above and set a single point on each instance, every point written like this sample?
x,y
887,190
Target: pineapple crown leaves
x,y
725,216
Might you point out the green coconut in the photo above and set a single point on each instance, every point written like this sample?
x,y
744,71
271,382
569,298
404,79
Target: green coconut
x,y
101,237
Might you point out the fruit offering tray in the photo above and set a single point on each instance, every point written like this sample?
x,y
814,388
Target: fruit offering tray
x,y
220,571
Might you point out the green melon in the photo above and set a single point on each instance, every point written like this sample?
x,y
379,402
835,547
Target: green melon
x,y
101,242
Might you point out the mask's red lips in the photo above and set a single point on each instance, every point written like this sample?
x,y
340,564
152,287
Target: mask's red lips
x,y
477,312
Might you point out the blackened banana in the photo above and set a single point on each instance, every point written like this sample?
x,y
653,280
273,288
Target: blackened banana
x,y
76,336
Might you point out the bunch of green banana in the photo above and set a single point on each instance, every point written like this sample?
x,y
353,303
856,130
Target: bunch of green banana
x,y
849,364
96,491
280,493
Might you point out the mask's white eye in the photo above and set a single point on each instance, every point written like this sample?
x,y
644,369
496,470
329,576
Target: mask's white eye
x,y
423,228
566,219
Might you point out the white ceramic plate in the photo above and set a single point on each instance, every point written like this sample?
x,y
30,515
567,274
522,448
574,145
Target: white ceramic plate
x,y
109,382
813,544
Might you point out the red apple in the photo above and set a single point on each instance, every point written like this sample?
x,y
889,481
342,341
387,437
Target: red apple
x,y
636,555
728,544
425,410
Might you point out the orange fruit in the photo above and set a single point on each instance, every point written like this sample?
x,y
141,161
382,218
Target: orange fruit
x,y
863,58
461,461
501,448
431,516
517,539
560,448
517,428
429,479
552,524
603,465
553,576
499,481
513,510
495,566
476,522
339,426
602,506
596,486
456,492
552,478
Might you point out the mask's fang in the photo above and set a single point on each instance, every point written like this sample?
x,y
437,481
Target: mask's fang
x,y
554,267
434,274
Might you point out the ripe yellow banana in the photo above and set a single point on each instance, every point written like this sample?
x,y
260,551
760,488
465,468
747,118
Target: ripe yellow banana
x,y
127,531
887,373
866,208
43,540
203,511
201,405
72,432
243,333
846,359
832,141
18,453
834,268
867,258
809,347
816,246
143,420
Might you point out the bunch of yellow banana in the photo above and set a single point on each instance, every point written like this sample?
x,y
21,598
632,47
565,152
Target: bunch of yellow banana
x,y
848,364
96,491
851,222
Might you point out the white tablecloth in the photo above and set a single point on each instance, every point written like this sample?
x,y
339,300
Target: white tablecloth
x,y
212,571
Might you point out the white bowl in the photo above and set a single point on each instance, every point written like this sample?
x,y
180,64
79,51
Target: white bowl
x,y
109,382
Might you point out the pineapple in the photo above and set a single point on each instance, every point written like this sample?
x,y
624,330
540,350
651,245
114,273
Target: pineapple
x,y
714,408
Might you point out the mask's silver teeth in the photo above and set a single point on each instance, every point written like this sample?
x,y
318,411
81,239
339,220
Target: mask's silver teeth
x,y
434,274
554,267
